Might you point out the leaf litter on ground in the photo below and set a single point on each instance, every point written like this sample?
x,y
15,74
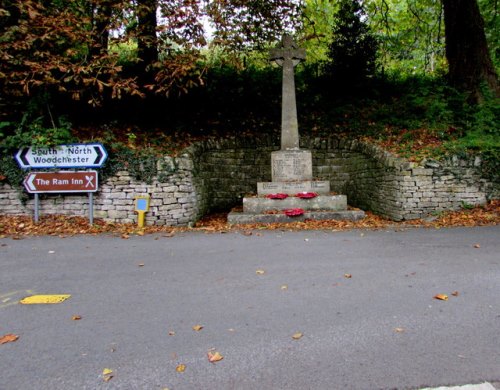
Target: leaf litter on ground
x,y
18,227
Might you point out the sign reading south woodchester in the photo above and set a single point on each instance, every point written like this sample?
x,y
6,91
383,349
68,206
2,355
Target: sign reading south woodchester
x,y
62,156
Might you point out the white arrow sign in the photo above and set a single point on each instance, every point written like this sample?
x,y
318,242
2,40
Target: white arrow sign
x,y
63,156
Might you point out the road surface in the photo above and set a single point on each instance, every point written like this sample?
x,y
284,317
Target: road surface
x,y
360,304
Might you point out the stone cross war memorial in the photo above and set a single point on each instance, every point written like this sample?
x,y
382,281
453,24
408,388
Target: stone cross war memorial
x,y
293,187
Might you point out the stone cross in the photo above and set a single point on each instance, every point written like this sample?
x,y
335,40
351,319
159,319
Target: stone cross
x,y
288,55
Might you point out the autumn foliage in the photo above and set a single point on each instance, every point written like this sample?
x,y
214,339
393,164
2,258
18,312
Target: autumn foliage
x,y
71,48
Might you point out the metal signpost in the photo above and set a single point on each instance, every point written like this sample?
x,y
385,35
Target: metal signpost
x,y
92,155
62,181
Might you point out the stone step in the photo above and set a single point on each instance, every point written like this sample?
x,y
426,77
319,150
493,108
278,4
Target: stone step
x,y
321,202
236,218
293,187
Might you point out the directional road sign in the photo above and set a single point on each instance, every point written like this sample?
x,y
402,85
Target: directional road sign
x,y
62,156
62,181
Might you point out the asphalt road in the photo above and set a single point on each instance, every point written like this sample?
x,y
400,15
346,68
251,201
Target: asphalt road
x,y
139,299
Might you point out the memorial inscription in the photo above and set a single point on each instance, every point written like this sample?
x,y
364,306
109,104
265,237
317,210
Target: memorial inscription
x,y
291,165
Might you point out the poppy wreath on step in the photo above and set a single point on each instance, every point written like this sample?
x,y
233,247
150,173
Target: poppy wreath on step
x,y
293,212
277,196
306,195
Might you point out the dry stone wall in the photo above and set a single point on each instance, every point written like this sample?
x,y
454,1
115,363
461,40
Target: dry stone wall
x,y
217,174
174,200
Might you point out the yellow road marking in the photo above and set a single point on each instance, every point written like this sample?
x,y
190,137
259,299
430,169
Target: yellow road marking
x,y
44,299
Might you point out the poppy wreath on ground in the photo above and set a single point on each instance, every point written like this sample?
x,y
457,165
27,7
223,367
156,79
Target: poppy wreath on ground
x,y
293,212
277,196
306,195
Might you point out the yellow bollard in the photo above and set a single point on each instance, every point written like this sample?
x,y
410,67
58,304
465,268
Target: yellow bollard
x,y
141,207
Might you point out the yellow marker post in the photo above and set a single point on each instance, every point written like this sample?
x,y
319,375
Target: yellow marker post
x,y
141,207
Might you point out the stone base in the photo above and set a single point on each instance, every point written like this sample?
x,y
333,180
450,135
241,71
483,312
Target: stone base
x,y
236,218
321,202
293,187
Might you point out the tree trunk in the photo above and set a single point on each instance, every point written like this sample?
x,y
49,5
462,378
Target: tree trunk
x,y
100,31
466,48
147,42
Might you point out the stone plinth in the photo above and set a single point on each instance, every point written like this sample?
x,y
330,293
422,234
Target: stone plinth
x,y
293,187
236,218
291,165
322,202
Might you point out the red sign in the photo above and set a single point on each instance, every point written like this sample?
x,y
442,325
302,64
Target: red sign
x,y
62,181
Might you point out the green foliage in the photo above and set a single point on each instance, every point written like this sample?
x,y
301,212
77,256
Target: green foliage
x,y
37,127
36,134
141,164
34,129
491,15
353,49
410,33
481,135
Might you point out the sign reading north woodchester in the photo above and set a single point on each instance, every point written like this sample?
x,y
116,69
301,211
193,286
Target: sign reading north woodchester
x,y
62,156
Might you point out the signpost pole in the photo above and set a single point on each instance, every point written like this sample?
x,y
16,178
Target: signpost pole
x,y
91,208
37,204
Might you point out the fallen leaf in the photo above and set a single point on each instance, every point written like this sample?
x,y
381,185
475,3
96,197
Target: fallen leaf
x,y
347,276
140,233
247,233
140,265
284,287
477,246
51,252
441,297
171,333
214,357
107,371
455,293
8,338
198,327
297,336
399,330
180,368
169,235
260,272
76,318
125,236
